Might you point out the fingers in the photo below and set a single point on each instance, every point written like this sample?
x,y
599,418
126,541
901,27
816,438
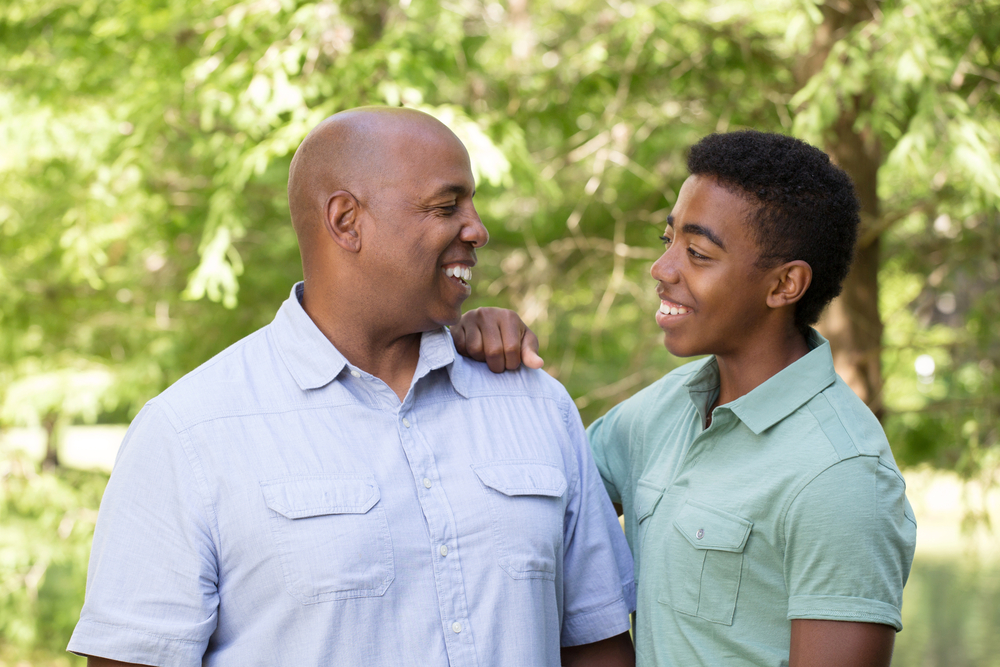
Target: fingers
x,y
529,350
498,337
468,336
501,341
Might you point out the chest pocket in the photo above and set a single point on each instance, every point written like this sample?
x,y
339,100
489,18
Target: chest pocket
x,y
331,535
526,510
704,559
647,497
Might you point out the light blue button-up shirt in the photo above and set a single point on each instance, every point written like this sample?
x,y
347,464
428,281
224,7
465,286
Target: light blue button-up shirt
x,y
278,506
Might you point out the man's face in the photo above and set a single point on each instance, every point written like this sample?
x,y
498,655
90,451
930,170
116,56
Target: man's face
x,y
713,297
426,231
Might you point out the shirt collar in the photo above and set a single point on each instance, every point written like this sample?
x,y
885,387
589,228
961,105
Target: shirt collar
x,y
779,395
437,350
315,362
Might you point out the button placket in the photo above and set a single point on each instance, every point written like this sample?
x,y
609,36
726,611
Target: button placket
x,y
437,512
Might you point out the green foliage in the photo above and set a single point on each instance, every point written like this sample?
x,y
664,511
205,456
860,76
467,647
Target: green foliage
x,y
146,143
48,524
147,146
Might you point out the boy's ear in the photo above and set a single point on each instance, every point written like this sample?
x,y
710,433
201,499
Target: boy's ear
x,y
341,220
791,282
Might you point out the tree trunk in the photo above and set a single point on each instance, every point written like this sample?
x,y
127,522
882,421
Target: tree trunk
x,y
51,425
852,323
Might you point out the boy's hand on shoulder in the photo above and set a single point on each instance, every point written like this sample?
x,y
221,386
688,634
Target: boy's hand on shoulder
x,y
498,337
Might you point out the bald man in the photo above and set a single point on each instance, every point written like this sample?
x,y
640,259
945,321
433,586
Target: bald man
x,y
340,488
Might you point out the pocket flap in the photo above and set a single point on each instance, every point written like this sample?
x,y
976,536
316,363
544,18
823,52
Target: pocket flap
x,y
647,497
709,528
522,478
316,495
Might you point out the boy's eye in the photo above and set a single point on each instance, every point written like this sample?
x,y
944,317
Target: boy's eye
x,y
666,239
696,254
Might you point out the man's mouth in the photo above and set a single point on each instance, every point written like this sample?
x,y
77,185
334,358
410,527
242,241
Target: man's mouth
x,y
671,308
459,272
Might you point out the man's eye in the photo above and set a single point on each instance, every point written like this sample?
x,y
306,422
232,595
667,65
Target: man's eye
x,y
449,210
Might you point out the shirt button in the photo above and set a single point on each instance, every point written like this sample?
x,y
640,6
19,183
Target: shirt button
x,y
700,534
444,550
356,374
427,483
457,627
406,422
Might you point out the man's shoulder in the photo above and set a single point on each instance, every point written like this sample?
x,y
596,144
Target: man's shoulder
x,y
230,382
481,381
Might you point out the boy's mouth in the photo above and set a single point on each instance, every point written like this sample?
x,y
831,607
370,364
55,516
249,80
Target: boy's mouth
x,y
671,308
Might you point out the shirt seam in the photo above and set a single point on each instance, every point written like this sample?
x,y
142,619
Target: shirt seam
x,y
142,632
194,463
575,481
810,479
181,426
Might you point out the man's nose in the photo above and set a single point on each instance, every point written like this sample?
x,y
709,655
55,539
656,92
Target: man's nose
x,y
474,231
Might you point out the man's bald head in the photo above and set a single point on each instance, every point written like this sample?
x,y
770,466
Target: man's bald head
x,y
353,151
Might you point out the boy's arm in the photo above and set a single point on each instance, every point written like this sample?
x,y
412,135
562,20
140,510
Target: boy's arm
x,y
498,337
818,643
612,652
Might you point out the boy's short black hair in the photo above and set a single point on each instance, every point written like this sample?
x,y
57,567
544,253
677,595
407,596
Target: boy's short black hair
x,y
805,206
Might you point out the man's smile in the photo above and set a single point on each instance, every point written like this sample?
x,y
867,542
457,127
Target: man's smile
x,y
458,272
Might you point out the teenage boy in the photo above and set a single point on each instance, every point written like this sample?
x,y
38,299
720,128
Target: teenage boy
x,y
764,509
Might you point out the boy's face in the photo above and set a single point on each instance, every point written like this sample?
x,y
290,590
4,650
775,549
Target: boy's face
x,y
713,296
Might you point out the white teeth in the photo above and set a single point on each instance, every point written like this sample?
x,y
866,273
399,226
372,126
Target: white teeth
x,y
463,273
673,310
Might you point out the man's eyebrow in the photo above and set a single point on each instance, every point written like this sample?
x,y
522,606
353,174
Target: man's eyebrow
x,y
451,189
698,230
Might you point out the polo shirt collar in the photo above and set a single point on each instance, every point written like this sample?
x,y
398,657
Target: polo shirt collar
x,y
314,361
781,394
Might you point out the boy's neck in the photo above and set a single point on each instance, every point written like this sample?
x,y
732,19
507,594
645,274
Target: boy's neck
x,y
742,372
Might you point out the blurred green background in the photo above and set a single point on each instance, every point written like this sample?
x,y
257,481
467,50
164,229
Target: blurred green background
x,y
144,151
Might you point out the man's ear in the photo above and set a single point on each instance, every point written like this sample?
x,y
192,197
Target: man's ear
x,y
791,282
341,220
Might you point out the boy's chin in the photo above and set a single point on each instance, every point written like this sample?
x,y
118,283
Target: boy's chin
x,y
679,349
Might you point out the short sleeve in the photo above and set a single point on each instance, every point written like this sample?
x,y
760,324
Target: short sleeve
x,y
598,580
152,581
850,536
609,443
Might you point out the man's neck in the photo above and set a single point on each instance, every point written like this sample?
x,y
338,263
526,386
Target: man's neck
x,y
367,344
753,365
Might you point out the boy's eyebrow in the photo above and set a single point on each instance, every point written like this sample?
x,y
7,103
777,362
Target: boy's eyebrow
x,y
698,230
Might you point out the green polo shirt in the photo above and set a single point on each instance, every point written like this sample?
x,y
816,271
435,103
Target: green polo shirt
x,y
788,506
